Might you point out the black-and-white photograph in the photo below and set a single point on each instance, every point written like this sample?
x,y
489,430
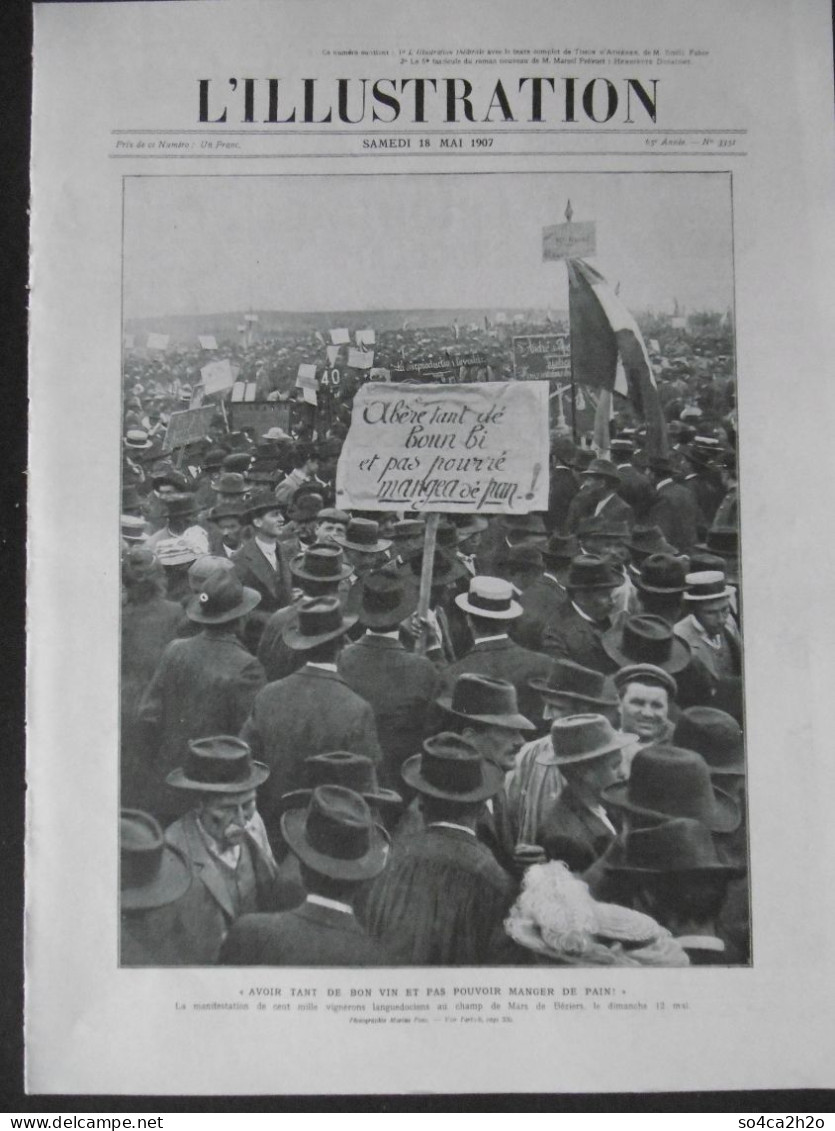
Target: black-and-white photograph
x,y
431,607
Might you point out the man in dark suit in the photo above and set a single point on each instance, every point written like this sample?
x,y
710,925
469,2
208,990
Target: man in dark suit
x,y
563,485
312,711
398,684
339,849
634,488
587,750
490,607
443,894
319,571
204,685
540,595
576,633
260,562
224,843
598,496
675,509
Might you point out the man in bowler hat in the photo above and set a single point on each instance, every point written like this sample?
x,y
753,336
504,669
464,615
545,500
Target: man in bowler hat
x,y
576,632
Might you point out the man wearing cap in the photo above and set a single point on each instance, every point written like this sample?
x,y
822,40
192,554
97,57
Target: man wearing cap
x,y
443,894
576,632
598,496
645,694
223,840
339,849
203,685
535,782
331,524
153,878
319,571
260,562
313,710
675,509
399,685
708,628
588,752
491,607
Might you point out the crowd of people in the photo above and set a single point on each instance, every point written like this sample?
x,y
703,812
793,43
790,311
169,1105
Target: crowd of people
x,y
545,767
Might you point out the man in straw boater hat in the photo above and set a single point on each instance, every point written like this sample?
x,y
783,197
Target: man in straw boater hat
x,y
576,633
708,628
340,849
535,782
587,749
491,606
399,685
317,571
443,894
205,684
672,872
223,840
312,710
153,878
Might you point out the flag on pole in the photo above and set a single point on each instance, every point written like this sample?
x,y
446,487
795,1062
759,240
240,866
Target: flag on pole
x,y
608,351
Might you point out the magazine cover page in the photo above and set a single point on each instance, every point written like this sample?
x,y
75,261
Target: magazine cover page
x,y
430,620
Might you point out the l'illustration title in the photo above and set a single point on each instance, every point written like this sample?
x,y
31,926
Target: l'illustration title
x,y
420,100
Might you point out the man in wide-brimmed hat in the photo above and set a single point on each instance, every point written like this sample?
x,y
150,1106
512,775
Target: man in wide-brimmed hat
x,y
598,496
576,633
535,782
672,872
587,749
340,849
203,685
227,527
709,629
399,685
648,639
313,710
319,570
153,878
443,894
223,840
486,712
491,606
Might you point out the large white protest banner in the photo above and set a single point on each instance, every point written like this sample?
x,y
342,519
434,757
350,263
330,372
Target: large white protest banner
x,y
447,448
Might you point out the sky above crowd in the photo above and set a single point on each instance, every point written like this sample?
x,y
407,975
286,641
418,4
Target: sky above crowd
x,y
202,245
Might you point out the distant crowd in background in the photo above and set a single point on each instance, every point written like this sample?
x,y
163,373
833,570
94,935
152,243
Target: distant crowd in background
x,y
546,767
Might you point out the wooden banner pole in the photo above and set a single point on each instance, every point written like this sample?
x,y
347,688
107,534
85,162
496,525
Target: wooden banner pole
x,y
430,537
